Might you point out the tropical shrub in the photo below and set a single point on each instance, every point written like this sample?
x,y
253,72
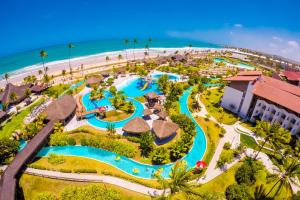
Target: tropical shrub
x,y
227,146
90,192
237,192
8,148
33,128
110,144
146,144
55,159
246,173
113,90
85,171
65,170
61,139
133,139
45,196
160,156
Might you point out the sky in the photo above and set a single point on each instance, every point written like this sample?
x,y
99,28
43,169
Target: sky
x,y
264,25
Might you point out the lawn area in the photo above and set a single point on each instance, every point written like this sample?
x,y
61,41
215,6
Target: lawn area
x,y
33,185
75,163
248,125
212,132
56,90
248,141
16,121
115,115
211,99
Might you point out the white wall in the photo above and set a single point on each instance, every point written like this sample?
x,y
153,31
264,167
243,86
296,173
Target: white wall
x,y
247,101
231,97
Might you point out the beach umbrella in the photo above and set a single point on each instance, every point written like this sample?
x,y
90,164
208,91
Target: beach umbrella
x,y
102,109
201,164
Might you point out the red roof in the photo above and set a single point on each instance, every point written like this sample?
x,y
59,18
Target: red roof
x,y
292,76
249,73
277,91
241,78
277,95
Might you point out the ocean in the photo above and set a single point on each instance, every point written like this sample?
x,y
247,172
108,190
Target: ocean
x,y
11,63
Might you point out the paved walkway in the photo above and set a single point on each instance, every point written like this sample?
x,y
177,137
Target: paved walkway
x,y
96,178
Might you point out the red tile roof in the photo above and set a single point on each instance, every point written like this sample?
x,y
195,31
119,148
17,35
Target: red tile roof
x,y
249,73
277,95
241,78
292,76
281,85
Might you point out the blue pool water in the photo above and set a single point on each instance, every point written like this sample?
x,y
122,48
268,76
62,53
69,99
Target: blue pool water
x,y
133,87
127,165
239,65
22,144
91,105
170,76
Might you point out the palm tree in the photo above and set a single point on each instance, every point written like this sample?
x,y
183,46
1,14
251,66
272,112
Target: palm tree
x,y
180,181
149,43
146,50
40,73
63,73
135,41
58,127
126,41
287,176
43,54
6,76
120,57
13,96
27,92
81,67
107,58
260,193
70,46
46,68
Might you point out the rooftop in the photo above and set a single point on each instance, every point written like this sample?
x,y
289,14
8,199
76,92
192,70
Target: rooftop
x,y
292,75
136,125
163,129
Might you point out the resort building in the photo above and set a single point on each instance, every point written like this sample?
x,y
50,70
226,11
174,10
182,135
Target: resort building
x,y
293,77
13,94
254,96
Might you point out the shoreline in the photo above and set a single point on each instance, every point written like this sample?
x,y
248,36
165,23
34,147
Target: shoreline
x,y
94,60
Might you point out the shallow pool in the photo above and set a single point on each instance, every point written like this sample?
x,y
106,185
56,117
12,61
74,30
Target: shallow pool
x,y
127,165
91,105
239,65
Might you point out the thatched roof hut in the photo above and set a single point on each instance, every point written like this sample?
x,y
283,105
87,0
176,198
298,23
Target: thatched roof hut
x,y
136,125
162,115
163,129
158,106
147,112
94,80
61,109
10,89
38,88
151,95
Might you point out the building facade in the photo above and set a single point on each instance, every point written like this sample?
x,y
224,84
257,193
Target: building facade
x,y
253,96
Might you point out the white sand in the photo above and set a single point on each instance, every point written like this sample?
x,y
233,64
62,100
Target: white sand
x,y
56,67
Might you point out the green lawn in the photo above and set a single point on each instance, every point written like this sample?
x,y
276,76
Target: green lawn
x,y
211,100
248,141
16,121
31,186
56,90
212,133
248,125
74,163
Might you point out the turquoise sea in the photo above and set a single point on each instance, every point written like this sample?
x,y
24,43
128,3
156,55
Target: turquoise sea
x,y
59,52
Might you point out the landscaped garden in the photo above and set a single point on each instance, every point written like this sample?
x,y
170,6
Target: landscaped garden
x,y
211,100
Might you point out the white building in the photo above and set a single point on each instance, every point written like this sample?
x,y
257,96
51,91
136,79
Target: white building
x,y
253,96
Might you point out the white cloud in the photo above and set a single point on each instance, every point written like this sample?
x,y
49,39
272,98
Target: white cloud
x,y
277,39
271,41
293,43
238,25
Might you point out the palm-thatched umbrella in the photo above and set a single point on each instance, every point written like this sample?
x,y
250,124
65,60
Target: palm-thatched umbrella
x,y
164,129
147,112
162,115
136,125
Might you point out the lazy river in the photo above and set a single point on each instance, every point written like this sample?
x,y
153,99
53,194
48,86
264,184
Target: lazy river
x,y
146,171
127,165
239,65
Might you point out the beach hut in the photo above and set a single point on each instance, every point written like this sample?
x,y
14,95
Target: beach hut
x,y
164,129
94,80
62,109
136,126
151,98
147,112
157,108
38,88
19,93
162,115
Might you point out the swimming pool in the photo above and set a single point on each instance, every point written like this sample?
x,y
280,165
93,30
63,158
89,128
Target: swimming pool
x,y
91,105
239,65
127,165
173,77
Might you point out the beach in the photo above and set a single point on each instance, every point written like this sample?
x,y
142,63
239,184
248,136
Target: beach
x,y
92,62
